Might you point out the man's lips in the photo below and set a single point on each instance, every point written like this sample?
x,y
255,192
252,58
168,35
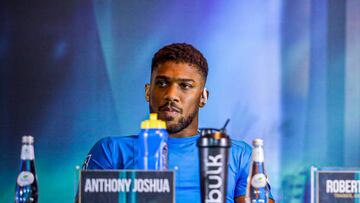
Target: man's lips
x,y
169,111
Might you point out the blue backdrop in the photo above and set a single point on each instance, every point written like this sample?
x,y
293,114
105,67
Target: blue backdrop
x,y
285,71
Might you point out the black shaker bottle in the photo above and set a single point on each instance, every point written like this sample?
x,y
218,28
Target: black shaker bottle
x,y
213,147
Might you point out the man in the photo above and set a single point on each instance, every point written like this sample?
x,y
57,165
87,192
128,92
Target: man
x,y
176,92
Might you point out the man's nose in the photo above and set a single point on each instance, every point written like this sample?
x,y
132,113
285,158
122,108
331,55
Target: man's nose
x,y
171,94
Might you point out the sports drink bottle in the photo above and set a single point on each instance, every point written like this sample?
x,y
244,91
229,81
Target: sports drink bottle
x,y
153,148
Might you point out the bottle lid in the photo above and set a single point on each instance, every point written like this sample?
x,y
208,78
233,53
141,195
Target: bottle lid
x,y
211,137
153,123
27,139
258,142
207,131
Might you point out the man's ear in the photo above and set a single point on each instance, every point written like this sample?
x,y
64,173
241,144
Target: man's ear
x,y
147,92
204,98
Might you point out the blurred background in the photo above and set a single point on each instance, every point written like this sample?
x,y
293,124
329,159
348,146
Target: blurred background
x,y
73,72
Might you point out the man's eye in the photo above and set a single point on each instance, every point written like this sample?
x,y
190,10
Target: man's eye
x,y
185,86
161,83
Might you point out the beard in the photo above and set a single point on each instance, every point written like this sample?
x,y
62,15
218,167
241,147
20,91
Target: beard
x,y
181,125
183,122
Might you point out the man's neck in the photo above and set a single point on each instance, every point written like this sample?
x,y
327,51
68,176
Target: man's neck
x,y
184,133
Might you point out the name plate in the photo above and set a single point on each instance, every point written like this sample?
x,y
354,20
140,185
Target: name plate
x,y
126,186
336,185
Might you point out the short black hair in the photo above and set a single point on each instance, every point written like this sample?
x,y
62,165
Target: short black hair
x,y
181,53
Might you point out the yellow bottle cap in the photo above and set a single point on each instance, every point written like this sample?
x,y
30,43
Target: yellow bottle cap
x,y
153,123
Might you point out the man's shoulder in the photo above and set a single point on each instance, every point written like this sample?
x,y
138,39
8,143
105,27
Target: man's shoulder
x,y
241,153
109,141
240,145
113,152
118,139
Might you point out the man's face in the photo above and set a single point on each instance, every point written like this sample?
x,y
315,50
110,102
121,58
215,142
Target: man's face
x,y
174,93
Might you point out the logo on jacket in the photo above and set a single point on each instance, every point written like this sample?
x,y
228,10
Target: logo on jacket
x,y
86,162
